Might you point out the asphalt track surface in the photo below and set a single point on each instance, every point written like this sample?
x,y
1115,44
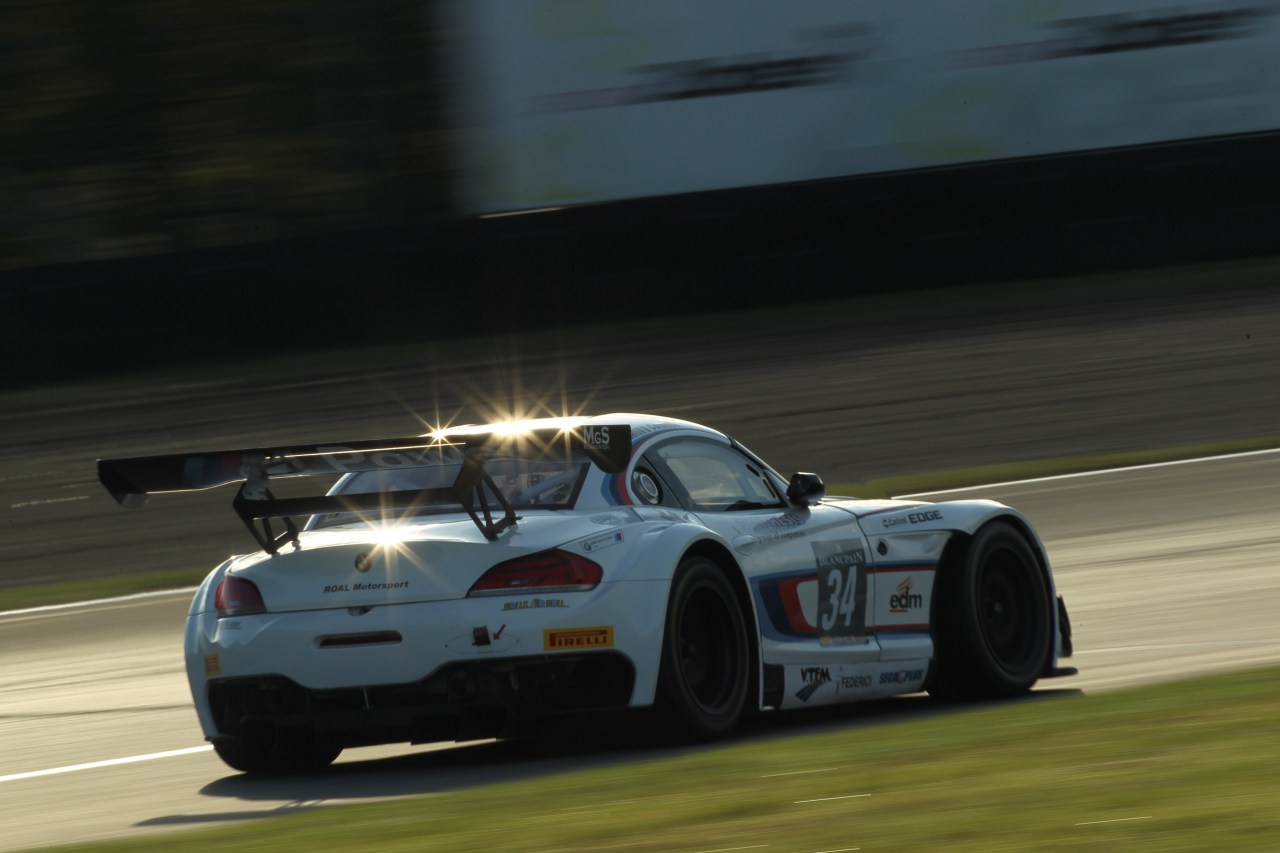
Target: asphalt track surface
x,y
1168,572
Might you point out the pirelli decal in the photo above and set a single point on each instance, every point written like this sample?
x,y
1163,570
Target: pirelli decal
x,y
560,639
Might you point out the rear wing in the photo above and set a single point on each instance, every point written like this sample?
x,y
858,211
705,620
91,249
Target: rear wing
x,y
130,481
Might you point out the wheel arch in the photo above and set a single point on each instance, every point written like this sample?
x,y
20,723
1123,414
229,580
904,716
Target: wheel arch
x,y
1042,559
954,552
960,539
719,554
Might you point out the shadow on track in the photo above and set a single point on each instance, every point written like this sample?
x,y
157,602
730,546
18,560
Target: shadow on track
x,y
610,741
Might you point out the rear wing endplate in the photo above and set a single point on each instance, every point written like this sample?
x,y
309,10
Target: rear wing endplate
x,y
130,481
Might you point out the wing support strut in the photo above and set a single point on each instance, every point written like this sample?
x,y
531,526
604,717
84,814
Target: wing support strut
x,y
473,489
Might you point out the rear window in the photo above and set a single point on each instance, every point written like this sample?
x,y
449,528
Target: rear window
x,y
542,483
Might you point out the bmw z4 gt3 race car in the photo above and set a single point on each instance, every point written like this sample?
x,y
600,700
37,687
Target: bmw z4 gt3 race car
x,y
473,581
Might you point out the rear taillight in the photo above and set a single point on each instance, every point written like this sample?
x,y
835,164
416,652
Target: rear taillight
x,y
548,571
237,597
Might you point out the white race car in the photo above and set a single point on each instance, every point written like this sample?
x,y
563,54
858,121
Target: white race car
x,y
476,580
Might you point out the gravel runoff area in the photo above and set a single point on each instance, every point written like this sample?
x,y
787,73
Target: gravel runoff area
x,y
858,389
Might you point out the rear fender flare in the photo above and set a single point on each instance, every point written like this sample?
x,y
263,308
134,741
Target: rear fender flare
x,y
655,559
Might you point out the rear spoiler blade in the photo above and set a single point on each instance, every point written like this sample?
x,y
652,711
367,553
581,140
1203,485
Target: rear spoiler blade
x,y
131,480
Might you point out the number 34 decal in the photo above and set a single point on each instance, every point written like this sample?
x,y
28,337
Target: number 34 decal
x,y
842,599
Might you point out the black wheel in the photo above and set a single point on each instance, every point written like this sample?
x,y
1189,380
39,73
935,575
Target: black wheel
x,y
706,664
255,755
994,618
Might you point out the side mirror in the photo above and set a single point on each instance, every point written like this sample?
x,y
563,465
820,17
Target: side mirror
x,y
805,489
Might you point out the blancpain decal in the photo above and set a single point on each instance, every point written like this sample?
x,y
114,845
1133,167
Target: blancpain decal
x,y
842,598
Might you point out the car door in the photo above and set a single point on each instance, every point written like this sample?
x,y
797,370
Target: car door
x,y
807,567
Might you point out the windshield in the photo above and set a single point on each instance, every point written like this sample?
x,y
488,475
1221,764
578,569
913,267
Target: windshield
x,y
539,483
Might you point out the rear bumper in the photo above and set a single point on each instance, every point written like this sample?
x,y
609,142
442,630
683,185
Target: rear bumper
x,y
461,701
472,653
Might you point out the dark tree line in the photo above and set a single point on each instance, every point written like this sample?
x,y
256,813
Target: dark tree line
x,y
146,126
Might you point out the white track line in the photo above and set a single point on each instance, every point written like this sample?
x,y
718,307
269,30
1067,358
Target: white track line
x,y
111,762
1113,820
1096,473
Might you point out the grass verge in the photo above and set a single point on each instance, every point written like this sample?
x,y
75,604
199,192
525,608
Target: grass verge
x,y
68,592
1182,766
16,598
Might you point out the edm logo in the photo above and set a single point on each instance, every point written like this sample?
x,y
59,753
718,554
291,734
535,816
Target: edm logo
x,y
904,599
596,436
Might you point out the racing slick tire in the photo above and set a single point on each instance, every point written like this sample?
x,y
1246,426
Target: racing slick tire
x,y
994,616
254,755
705,667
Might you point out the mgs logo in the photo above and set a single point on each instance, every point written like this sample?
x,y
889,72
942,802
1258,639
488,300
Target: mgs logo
x,y
904,600
596,436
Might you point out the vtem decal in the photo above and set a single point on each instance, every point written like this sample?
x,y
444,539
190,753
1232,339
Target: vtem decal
x,y
813,678
558,639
